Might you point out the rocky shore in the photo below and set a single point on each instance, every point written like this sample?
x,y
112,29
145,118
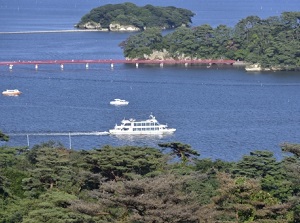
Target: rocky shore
x,y
114,27
257,67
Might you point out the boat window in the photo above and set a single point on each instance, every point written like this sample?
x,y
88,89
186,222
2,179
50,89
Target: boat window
x,y
156,124
127,124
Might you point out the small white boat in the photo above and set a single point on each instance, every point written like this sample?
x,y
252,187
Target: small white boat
x,y
148,127
118,101
14,92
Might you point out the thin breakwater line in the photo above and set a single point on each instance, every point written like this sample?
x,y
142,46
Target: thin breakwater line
x,y
52,31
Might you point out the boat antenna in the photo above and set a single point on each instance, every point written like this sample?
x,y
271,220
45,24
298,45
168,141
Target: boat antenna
x,y
151,116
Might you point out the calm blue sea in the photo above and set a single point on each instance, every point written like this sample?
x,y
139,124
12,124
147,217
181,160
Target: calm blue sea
x,y
224,113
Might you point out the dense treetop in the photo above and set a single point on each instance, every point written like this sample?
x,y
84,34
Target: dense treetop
x,y
141,17
272,42
3,137
128,184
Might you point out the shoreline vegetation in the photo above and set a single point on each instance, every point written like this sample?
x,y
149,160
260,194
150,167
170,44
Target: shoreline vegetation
x,y
130,184
271,44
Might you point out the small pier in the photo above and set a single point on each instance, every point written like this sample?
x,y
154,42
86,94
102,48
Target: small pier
x,y
36,63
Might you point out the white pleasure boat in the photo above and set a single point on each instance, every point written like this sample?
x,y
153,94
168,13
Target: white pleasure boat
x,y
14,92
118,101
148,127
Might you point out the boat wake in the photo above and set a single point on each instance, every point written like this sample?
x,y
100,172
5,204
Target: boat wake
x,y
59,133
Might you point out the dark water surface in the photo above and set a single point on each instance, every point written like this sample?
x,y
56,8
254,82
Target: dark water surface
x,y
221,112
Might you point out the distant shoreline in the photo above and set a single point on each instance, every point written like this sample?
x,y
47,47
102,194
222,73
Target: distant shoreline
x,y
53,31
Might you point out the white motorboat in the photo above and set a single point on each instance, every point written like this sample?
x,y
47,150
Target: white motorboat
x,y
14,92
118,101
148,127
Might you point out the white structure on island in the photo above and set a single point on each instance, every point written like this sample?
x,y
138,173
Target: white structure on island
x,y
253,67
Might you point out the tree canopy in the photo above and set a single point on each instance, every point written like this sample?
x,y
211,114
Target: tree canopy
x,y
142,17
3,137
50,183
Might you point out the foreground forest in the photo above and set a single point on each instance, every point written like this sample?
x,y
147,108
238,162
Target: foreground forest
x,y
273,42
171,183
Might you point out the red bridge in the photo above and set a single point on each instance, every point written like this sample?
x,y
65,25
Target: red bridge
x,y
36,63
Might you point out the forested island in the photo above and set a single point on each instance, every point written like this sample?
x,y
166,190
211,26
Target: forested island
x,y
129,184
265,44
130,17
270,44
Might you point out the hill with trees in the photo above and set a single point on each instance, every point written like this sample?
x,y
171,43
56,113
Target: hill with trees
x,y
49,183
128,14
273,43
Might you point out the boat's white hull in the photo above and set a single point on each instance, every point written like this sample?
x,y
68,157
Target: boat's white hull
x,y
113,103
162,132
11,93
